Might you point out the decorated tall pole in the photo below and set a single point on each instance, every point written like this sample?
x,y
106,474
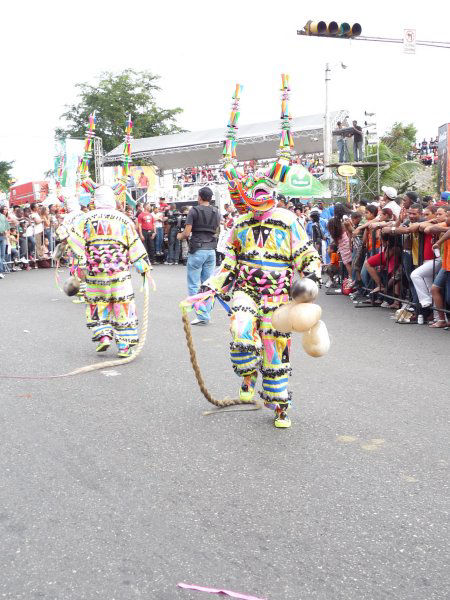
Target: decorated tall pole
x,y
280,168
121,185
83,169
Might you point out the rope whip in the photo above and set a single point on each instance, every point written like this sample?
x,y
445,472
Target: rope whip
x,y
225,402
104,364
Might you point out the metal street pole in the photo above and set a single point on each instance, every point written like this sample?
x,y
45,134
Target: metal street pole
x,y
326,127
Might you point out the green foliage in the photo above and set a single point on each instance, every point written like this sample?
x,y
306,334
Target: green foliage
x,y
400,138
393,148
5,175
114,97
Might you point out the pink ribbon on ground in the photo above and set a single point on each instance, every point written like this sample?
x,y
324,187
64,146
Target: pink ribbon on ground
x,y
200,588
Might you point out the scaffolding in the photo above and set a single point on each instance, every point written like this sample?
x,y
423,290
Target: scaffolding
x,y
367,185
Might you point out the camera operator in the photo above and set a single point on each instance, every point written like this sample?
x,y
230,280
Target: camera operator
x,y
203,222
172,220
181,226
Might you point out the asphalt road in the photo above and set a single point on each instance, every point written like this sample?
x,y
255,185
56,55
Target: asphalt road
x,y
114,486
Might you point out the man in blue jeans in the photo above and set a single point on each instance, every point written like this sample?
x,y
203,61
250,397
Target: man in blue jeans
x,y
202,224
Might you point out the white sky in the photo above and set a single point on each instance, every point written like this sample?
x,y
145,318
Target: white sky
x,y
201,48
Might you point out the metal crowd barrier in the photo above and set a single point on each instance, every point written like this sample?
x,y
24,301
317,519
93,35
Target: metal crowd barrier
x,y
23,249
401,280
403,246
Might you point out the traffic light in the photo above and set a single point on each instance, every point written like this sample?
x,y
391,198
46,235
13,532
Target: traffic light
x,y
332,29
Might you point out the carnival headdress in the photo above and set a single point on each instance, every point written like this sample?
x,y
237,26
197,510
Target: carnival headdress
x,y
83,168
254,192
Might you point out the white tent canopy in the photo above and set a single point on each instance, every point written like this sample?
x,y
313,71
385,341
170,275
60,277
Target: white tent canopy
x,y
255,141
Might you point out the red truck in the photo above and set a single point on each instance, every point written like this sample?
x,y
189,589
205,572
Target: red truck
x,y
26,193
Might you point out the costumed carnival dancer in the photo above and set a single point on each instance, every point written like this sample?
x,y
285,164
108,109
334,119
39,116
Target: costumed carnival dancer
x,y
264,249
106,244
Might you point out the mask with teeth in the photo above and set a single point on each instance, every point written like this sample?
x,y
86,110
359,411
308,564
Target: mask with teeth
x,y
254,192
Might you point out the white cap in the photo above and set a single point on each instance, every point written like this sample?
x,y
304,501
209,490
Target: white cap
x,y
104,197
390,192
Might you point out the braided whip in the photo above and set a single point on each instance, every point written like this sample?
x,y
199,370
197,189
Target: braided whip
x,y
225,402
105,364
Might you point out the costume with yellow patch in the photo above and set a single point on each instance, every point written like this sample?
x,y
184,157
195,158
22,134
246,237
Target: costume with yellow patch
x,y
106,244
264,250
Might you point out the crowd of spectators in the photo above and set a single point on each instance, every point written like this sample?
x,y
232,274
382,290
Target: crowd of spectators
x,y
425,152
204,175
391,252
27,236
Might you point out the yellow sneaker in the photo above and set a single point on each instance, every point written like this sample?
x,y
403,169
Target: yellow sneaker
x,y
247,389
105,341
281,421
79,300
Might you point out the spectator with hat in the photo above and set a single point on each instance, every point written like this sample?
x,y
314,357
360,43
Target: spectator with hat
x,y
389,200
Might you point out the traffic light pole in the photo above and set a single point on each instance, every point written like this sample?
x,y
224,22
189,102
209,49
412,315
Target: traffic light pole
x,y
326,128
365,38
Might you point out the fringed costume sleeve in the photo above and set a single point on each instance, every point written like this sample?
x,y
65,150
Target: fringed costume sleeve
x,y
305,257
77,243
136,252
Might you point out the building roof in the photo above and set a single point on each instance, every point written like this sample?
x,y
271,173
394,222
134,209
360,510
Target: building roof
x,y
255,141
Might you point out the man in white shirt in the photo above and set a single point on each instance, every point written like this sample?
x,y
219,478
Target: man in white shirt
x,y
390,200
38,228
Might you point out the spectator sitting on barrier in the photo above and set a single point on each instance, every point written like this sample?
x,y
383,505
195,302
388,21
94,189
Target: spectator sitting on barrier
x,y
423,276
13,243
390,259
410,255
441,285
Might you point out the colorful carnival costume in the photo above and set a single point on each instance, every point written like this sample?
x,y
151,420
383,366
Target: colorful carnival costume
x,y
106,245
264,249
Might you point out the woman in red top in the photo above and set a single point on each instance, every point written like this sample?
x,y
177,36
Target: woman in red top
x,y
389,258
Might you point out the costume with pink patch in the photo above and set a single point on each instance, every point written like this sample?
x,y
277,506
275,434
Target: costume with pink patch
x,y
105,244
264,250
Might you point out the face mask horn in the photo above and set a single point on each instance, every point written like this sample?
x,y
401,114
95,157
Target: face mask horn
x,y
280,168
229,158
83,167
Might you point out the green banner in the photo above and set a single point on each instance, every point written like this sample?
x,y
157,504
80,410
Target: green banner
x,y
300,183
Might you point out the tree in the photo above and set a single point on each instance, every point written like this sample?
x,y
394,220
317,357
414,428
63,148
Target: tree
x,y
5,175
114,97
393,148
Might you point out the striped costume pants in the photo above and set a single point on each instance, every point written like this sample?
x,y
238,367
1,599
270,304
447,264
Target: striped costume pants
x,y
256,346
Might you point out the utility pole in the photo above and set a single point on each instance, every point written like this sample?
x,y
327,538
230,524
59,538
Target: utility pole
x,y
327,127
